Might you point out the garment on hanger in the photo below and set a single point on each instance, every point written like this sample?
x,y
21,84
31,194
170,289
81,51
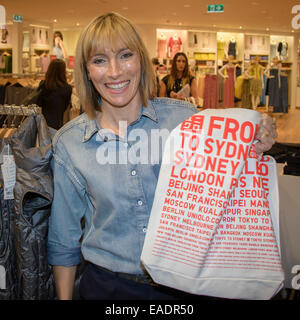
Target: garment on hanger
x,y
8,265
239,87
174,46
246,96
283,50
4,34
2,62
221,87
201,85
278,92
32,203
162,48
16,93
3,91
220,49
273,47
211,99
232,49
44,62
7,63
228,96
264,91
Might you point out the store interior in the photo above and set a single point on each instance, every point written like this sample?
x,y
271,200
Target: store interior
x,y
256,28
245,30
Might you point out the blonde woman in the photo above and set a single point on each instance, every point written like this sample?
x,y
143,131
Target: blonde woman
x,y
115,82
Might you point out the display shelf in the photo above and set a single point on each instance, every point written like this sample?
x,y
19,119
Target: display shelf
x,y
233,61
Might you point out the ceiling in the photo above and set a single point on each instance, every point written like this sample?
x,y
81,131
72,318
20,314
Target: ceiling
x,y
276,15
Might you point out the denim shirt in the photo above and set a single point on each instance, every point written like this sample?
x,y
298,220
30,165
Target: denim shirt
x,y
115,200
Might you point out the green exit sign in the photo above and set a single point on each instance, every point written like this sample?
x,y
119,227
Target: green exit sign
x,y
17,18
212,8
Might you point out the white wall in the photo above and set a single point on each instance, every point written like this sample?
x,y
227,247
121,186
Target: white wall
x,y
70,40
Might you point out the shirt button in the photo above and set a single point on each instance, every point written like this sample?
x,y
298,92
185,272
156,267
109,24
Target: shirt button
x,y
144,229
140,202
133,172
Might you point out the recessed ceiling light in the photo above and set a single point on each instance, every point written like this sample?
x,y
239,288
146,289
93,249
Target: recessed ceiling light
x,y
214,25
241,27
267,29
180,23
54,20
77,24
293,31
186,5
125,8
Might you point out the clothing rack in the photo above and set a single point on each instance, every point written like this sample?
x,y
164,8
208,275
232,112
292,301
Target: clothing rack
x,y
14,110
11,117
34,75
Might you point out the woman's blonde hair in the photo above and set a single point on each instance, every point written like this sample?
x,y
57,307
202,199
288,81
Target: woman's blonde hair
x,y
108,31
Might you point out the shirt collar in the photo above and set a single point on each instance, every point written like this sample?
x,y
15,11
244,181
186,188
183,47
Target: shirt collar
x,y
91,128
149,111
92,125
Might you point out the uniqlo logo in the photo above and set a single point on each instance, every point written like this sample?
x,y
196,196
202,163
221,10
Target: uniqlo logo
x,y
193,124
252,153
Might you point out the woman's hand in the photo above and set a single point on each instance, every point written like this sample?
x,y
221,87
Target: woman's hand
x,y
57,41
266,134
174,95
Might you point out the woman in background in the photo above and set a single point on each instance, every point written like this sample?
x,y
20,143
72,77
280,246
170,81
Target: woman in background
x,y
59,49
55,94
178,78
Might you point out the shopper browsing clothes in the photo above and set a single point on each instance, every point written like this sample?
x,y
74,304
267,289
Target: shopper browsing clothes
x,y
180,76
97,173
59,49
55,95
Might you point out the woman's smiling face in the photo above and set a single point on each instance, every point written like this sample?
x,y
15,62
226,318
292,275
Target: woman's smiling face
x,y
116,75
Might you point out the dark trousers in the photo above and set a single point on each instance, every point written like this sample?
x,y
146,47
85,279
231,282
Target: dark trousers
x,y
99,284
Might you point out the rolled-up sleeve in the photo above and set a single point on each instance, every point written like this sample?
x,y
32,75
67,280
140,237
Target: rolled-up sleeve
x,y
68,207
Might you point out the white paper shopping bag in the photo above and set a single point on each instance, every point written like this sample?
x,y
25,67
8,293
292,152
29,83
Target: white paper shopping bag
x,y
214,227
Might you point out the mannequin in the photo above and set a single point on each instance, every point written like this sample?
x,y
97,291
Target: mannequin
x,y
255,73
229,81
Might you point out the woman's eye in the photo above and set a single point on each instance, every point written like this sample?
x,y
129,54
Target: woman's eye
x,y
98,61
127,55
